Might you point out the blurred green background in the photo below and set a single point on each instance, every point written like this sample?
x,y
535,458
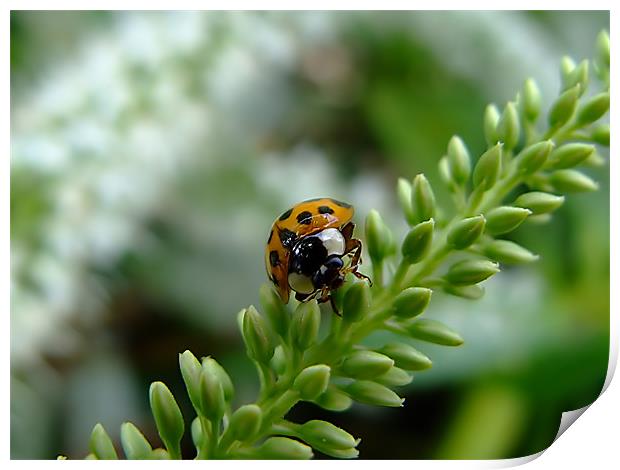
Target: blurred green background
x,y
151,152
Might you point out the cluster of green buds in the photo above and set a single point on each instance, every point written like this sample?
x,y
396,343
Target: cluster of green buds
x,y
450,251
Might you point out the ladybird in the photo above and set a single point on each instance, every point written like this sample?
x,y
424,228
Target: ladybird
x,y
306,248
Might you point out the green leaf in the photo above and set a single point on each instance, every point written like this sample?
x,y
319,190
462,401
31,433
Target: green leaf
x,y
135,445
433,331
411,302
101,445
365,364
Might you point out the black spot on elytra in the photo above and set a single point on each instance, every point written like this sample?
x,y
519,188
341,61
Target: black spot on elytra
x,y
286,215
304,217
274,259
325,210
270,237
287,238
340,203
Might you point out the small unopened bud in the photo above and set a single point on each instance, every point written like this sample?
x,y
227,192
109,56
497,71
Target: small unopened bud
x,y
505,251
445,173
101,445
433,331
539,202
422,199
531,100
459,160
505,219
577,76
323,435
160,454
472,292
283,448
245,422
377,237
532,158
508,127
564,107
469,272
255,336
135,445
406,356
212,400
567,65
395,377
305,325
602,49
334,400
418,242
403,188
572,181
365,364
372,393
356,302
600,135
312,381
488,168
190,370
411,302
167,414
197,434
593,109
490,121
466,232
569,155
274,309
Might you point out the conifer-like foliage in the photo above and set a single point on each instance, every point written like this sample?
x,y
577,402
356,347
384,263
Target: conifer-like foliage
x,y
529,164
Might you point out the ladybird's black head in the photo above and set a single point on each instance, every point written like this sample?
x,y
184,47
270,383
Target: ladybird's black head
x,y
307,256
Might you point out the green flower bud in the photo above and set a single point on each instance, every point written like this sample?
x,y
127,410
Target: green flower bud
x,y
168,417
418,242
334,400
135,445
504,251
274,309
101,445
567,65
312,381
395,377
459,160
466,232
488,168
305,325
406,356
356,302
445,173
212,401
490,121
509,127
532,158
403,189
433,331
245,422
422,199
196,431
602,49
564,107
372,393
577,76
595,160
365,364
215,368
324,436
283,448
539,202
411,302
255,336
569,155
593,109
531,100
505,219
600,135
91,457
572,181
473,292
469,272
278,361
160,454
190,370
377,238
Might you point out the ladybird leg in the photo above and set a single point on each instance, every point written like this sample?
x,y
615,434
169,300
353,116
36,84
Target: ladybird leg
x,y
356,252
333,304
302,297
